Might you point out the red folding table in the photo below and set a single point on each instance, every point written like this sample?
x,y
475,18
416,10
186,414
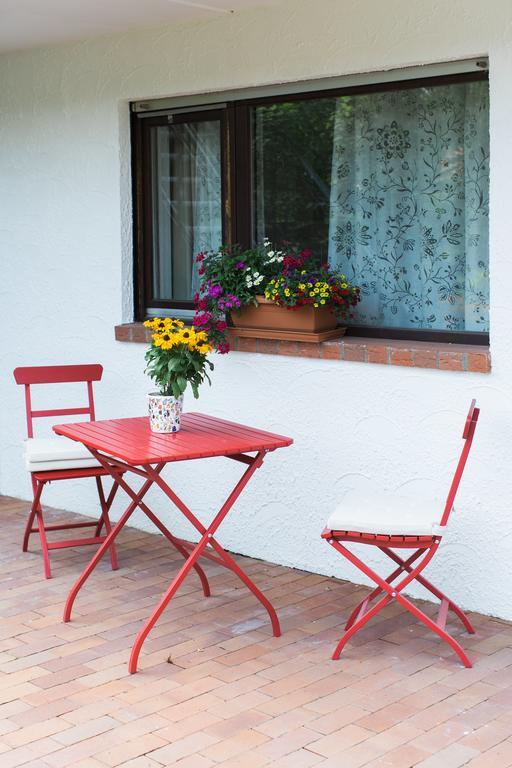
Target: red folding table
x,y
128,445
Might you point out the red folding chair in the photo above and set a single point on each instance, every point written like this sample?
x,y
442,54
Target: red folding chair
x,y
397,522
58,458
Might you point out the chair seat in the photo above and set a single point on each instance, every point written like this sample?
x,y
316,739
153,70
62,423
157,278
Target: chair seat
x,y
56,453
387,515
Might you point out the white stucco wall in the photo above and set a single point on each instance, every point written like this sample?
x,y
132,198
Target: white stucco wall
x,y
65,245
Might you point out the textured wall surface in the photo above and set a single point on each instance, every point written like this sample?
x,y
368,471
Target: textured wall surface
x,y
65,244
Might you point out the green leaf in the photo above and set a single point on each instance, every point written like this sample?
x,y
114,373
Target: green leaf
x,y
173,364
176,391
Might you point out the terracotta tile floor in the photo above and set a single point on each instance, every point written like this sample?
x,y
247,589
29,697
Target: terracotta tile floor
x,y
215,688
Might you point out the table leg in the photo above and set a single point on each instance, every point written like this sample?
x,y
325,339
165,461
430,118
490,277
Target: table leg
x,y
175,584
104,547
276,629
206,538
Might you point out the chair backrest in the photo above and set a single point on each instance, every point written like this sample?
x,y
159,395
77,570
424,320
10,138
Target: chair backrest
x,y
57,374
467,435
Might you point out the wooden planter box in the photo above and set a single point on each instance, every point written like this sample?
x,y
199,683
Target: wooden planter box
x,y
267,320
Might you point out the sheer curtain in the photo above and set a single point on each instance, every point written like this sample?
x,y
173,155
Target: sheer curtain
x,y
409,205
187,210
161,228
206,194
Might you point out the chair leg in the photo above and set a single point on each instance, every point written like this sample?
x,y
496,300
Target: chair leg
x,y
394,592
37,512
31,516
105,519
443,634
434,590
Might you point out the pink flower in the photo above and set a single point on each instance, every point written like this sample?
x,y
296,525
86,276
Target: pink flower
x,y
223,348
221,325
202,318
200,257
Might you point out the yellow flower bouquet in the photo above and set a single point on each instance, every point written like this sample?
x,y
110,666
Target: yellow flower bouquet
x,y
177,357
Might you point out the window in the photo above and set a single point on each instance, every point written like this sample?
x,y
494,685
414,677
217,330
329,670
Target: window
x,y
389,181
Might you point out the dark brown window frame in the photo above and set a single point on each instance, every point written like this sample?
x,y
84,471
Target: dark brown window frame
x,y
236,161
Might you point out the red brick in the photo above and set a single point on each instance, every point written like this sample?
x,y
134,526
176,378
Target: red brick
x,y
123,332
245,345
267,346
425,358
402,357
356,352
479,362
451,361
331,350
288,348
132,332
378,353
306,349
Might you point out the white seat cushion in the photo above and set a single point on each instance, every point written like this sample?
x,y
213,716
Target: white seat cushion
x,y
387,514
42,454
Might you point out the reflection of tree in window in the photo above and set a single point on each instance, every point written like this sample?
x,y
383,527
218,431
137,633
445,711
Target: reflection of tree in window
x,y
293,159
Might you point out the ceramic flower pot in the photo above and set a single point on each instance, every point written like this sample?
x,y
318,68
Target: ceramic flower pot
x,y
268,315
164,412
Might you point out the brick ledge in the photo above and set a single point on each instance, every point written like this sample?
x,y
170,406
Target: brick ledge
x,y
411,354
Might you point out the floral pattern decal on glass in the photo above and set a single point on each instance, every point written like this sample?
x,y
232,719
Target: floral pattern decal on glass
x,y
410,205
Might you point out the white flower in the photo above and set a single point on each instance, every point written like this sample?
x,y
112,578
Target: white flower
x,y
270,254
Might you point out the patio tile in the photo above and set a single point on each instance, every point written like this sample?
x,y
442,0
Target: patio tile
x,y
228,747
333,721
184,747
498,756
301,758
487,736
339,741
452,757
130,750
287,743
216,689
404,756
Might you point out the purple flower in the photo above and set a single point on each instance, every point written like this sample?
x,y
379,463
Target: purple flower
x,y
214,291
232,301
240,265
228,302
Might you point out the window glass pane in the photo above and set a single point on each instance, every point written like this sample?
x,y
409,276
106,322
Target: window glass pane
x,y
292,171
393,188
186,208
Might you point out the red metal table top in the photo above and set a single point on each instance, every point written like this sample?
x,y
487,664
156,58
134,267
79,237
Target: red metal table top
x,y
200,436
